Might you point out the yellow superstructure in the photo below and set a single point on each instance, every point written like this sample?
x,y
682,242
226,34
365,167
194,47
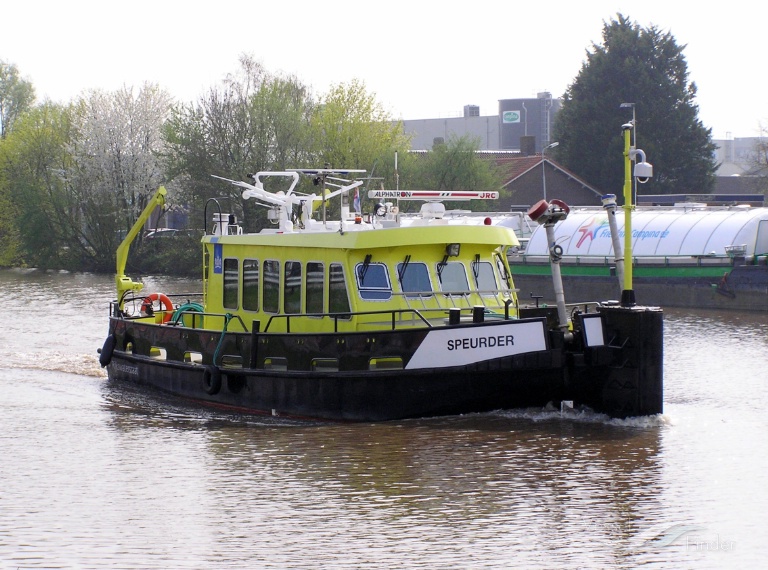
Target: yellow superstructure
x,y
312,281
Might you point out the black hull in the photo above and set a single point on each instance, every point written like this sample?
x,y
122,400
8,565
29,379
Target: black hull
x,y
622,378
352,396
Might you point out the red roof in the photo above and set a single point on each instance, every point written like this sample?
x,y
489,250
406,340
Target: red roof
x,y
514,167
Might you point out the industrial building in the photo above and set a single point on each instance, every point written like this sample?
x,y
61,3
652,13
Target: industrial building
x,y
523,128
526,120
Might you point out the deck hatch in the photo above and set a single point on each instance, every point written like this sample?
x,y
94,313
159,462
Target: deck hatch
x,y
386,363
325,364
276,363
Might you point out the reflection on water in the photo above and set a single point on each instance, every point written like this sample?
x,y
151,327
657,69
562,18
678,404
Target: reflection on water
x,y
99,475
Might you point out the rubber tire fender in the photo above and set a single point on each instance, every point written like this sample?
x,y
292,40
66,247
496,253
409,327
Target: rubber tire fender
x,y
211,380
105,354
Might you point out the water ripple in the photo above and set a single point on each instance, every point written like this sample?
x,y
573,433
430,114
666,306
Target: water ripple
x,y
97,475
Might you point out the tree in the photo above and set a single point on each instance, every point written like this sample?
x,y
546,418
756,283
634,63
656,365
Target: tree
x,y
259,121
33,225
455,165
646,67
77,176
758,163
115,167
16,96
352,129
255,121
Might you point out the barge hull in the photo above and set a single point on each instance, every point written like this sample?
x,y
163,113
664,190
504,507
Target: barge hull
x,y
745,288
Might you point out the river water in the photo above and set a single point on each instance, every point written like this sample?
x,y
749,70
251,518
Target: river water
x,y
95,475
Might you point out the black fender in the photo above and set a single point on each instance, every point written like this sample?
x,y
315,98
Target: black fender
x,y
105,354
211,380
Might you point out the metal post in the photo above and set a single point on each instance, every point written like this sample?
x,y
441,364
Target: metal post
x,y
555,255
609,204
544,167
634,141
627,295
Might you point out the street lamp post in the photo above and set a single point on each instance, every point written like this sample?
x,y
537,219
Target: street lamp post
x,y
634,123
544,167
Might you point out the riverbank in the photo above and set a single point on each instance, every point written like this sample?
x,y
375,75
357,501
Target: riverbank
x,y
172,255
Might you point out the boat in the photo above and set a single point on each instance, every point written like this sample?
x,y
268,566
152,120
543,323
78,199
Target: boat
x,y
334,315
686,255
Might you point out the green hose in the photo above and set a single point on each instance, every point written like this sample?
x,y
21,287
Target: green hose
x,y
227,318
182,315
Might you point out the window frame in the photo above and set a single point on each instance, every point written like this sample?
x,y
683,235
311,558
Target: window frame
x,y
476,277
227,283
336,286
311,291
412,293
267,283
292,293
441,273
250,285
377,293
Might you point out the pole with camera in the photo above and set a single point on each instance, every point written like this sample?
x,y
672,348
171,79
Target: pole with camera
x,y
633,382
643,171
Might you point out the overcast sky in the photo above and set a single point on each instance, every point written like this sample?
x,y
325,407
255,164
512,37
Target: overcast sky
x,y
422,58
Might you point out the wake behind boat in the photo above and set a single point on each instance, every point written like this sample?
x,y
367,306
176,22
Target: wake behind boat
x,y
370,318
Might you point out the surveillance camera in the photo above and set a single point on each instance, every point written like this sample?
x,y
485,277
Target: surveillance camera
x,y
643,172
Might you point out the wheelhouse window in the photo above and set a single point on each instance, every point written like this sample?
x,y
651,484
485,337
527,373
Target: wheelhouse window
x,y
338,298
485,279
505,277
271,297
251,284
373,281
292,288
315,287
231,283
414,279
453,277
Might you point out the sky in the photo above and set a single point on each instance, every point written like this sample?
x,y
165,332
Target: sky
x,y
423,59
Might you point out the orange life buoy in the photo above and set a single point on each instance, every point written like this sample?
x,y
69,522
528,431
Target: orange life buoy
x,y
163,300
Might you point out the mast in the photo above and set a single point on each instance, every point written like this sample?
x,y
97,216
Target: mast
x,y
627,294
